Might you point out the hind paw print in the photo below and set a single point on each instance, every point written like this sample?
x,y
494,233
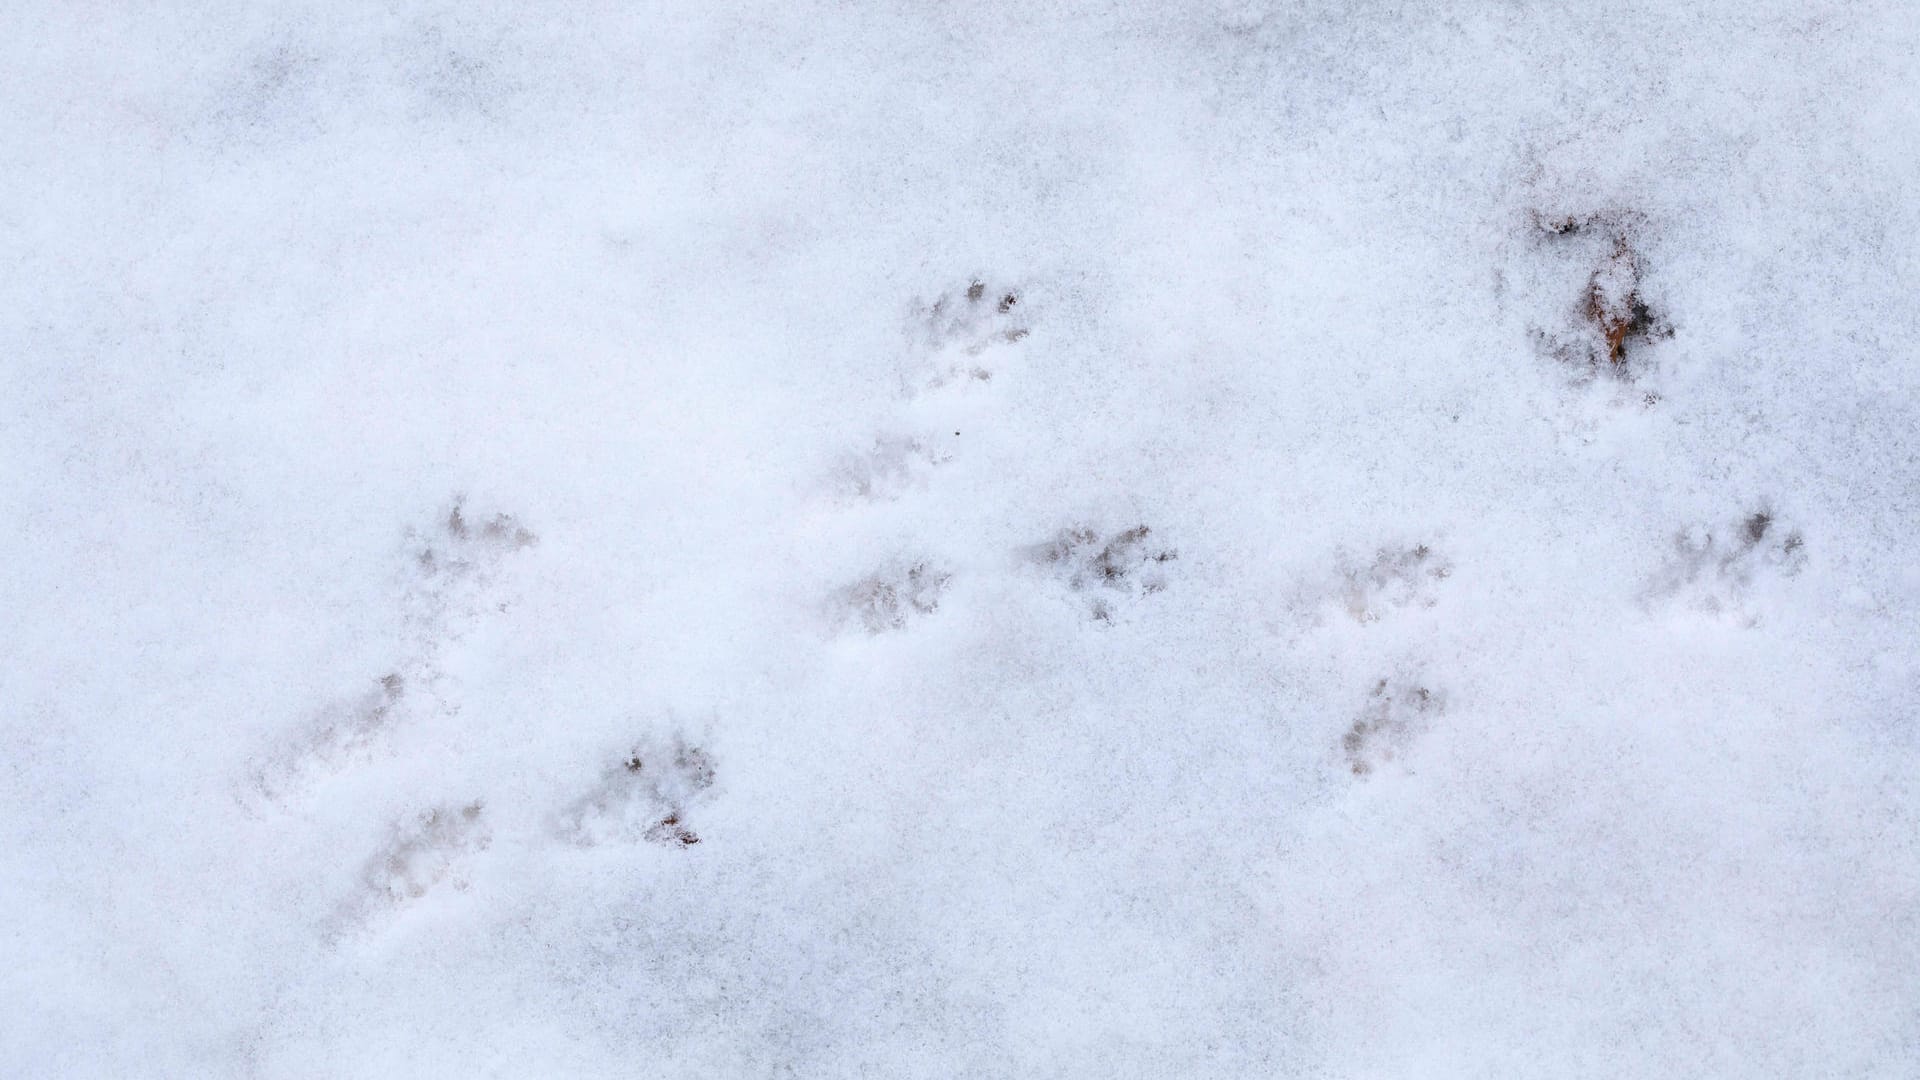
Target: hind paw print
x,y
340,738
422,854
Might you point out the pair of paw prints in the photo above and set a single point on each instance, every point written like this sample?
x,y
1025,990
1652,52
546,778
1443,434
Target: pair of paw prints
x,y
1396,712
451,580
643,797
1106,571
959,340
1713,571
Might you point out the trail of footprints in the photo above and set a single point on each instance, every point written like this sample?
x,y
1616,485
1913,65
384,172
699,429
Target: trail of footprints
x,y
454,577
650,793
1606,333
960,340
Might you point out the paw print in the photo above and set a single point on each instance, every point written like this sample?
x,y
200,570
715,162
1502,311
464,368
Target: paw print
x,y
1713,572
420,855
1397,577
885,471
956,335
645,795
1611,322
454,565
341,737
1106,568
1396,712
893,598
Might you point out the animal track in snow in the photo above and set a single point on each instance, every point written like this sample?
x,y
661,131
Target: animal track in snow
x,y
1611,322
886,470
421,854
1712,572
957,335
643,796
1106,569
892,598
1396,712
1396,577
338,738
455,569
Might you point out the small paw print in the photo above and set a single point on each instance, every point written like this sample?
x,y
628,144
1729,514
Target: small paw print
x,y
1395,578
645,795
957,335
886,470
1106,569
1714,571
892,599
422,854
1613,322
1396,712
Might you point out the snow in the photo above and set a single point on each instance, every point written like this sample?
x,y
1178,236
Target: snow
x,y
1220,539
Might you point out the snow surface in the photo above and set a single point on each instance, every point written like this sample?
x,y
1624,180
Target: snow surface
x,y
605,539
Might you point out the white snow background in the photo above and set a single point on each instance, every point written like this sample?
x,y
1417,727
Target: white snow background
x,y
525,552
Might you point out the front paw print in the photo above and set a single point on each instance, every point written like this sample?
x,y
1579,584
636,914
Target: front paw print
x,y
959,333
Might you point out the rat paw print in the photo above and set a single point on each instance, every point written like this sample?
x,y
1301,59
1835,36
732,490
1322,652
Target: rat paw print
x,y
644,796
454,566
1395,578
885,471
1714,572
1106,569
422,854
341,737
957,335
1611,323
1395,713
891,599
